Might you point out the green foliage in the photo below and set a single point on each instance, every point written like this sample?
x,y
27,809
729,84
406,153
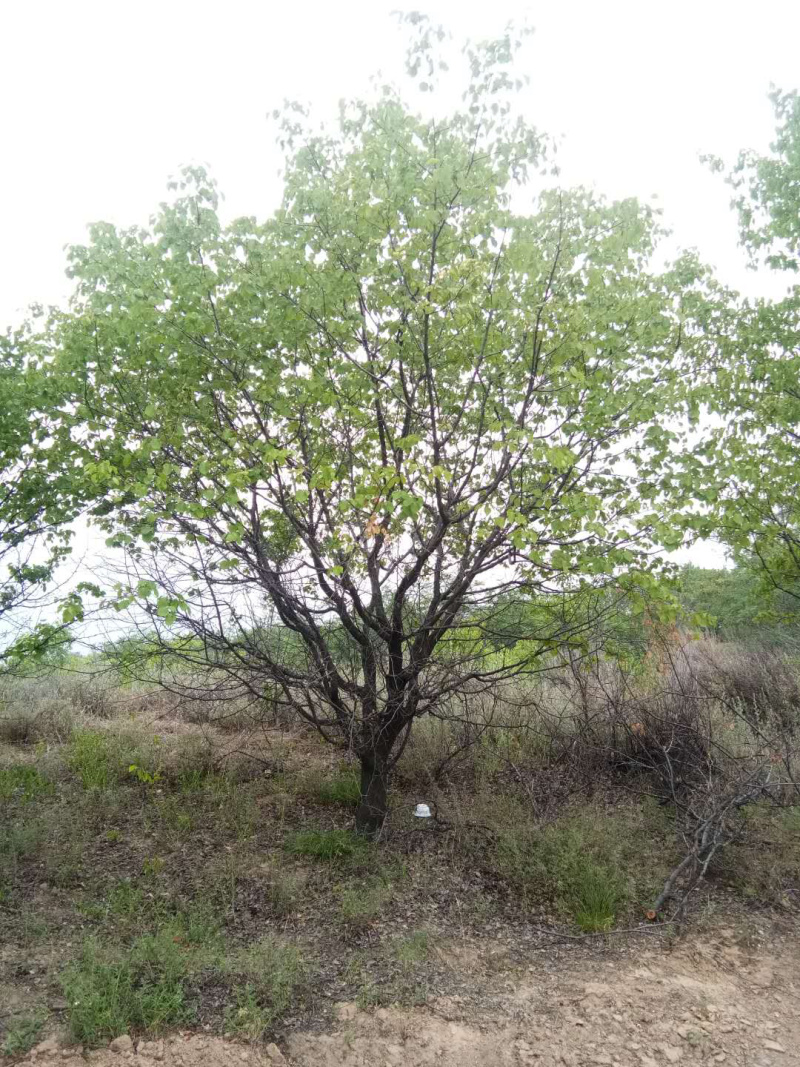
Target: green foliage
x,y
22,1035
746,469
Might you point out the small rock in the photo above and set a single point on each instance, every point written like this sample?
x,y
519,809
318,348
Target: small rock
x,y
58,1003
45,1048
773,1046
603,1060
274,1054
720,1057
647,1061
671,1052
153,1050
123,1043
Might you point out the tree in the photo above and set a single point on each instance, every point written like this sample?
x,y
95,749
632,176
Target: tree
x,y
39,497
330,441
755,457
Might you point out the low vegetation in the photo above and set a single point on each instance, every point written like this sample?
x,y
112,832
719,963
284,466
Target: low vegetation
x,y
169,873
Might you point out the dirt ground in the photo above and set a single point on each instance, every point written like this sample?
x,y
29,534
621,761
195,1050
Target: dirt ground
x,y
728,996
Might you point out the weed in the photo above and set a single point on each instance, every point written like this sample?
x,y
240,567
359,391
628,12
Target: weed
x,y
590,864
153,866
34,926
765,863
330,845
246,1017
20,840
369,995
22,1035
125,900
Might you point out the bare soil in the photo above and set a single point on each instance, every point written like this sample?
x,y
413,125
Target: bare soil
x,y
720,995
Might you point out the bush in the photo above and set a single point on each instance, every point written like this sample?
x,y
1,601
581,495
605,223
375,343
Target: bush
x,y
17,729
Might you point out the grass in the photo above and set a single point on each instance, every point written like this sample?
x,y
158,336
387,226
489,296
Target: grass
x,y
102,759
765,864
22,1035
594,865
361,904
282,889
270,973
142,987
256,850
23,782
414,949
143,990
344,789
91,758
328,845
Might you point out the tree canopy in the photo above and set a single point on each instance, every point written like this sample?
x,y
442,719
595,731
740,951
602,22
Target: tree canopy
x,y
428,384
755,456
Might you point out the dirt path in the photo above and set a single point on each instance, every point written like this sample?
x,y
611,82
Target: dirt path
x,y
729,999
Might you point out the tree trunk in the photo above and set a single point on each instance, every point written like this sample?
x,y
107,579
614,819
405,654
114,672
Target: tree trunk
x,y
373,807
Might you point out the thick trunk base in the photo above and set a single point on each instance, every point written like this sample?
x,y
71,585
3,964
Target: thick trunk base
x,y
373,806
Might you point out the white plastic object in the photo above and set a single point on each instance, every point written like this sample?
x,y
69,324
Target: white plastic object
x,y
422,811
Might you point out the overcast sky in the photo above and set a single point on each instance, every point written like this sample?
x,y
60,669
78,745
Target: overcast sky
x,y
102,101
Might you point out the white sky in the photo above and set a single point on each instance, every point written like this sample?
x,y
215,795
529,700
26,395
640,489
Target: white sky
x,y
102,101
